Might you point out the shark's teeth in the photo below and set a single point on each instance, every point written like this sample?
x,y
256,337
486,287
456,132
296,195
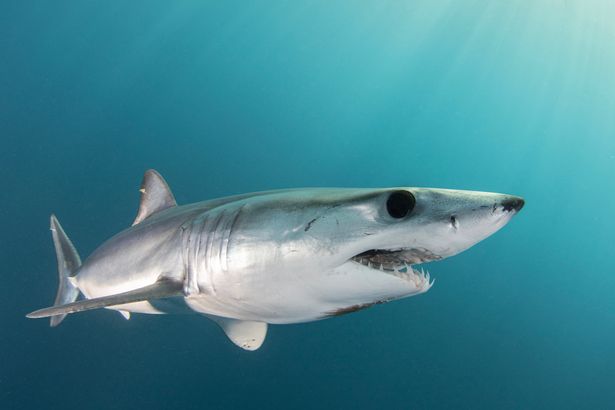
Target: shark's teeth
x,y
420,278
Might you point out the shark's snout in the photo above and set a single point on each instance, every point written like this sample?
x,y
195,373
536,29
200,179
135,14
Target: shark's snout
x,y
513,203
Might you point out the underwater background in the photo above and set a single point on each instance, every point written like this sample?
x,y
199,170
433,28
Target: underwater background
x,y
237,96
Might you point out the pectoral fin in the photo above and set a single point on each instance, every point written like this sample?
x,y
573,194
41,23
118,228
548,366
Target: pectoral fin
x,y
163,288
246,334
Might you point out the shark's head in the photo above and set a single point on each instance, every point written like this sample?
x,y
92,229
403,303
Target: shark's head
x,y
407,226
349,248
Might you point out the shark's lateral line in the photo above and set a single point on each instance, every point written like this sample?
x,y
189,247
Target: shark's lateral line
x,y
285,256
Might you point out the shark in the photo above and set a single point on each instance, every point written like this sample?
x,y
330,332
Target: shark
x,y
273,257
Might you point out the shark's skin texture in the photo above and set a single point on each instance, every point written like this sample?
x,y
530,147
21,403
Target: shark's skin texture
x,y
286,256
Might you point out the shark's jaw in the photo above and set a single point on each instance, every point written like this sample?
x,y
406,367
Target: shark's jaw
x,y
399,263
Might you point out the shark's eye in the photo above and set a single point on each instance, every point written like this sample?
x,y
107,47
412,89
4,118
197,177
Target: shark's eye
x,y
400,203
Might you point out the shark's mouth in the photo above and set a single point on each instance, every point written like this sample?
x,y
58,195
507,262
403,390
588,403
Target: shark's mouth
x,y
399,262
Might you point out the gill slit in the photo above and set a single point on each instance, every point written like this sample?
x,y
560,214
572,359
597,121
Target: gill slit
x,y
187,237
210,250
227,238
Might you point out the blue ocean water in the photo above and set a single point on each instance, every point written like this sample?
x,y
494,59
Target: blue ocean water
x,y
231,97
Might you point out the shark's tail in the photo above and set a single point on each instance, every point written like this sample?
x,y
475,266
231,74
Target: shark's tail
x,y
68,264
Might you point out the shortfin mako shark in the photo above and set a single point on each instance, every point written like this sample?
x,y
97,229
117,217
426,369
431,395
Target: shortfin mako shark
x,y
284,256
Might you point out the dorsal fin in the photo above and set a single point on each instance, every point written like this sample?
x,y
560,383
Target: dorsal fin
x,y
156,195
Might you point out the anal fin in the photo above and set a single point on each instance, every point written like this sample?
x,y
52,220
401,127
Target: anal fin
x,y
248,335
162,288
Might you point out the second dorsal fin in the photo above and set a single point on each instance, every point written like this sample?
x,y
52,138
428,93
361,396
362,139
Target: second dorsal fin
x,y
156,195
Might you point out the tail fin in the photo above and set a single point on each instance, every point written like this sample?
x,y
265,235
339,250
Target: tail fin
x,y
68,264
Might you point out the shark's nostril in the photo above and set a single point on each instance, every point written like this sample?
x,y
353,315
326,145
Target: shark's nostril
x,y
454,222
511,203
